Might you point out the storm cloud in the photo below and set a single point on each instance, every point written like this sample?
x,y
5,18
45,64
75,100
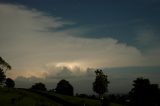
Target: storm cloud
x,y
38,45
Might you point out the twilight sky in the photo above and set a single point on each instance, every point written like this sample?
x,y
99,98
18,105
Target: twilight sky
x,y
67,39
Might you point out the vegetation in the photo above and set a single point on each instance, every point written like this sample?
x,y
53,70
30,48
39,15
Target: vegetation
x,y
39,86
119,98
2,76
77,101
144,93
64,87
17,97
21,97
9,83
4,66
100,85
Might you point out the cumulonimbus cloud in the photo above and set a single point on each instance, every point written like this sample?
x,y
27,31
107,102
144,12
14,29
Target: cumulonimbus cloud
x,y
32,42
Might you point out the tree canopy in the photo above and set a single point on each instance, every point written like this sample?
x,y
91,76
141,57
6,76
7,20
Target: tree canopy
x,y
10,83
144,93
2,76
100,85
4,66
39,86
64,87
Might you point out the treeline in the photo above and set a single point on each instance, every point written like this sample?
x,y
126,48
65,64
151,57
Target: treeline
x,y
63,87
143,92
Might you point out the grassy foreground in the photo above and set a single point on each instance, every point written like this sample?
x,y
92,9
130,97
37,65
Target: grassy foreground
x,y
16,97
19,97
81,101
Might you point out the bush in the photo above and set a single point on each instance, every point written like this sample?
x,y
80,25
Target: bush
x,y
39,86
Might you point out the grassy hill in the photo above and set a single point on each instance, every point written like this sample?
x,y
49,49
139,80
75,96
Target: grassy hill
x,y
19,97
80,101
16,97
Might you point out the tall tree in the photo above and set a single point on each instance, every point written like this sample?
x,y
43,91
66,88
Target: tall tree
x,y
64,87
10,83
144,93
100,85
4,66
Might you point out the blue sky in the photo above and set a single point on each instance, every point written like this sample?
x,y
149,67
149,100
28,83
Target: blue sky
x,y
55,39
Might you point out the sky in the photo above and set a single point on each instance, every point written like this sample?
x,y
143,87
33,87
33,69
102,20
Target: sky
x,y
46,41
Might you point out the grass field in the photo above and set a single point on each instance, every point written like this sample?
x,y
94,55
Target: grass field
x,y
19,97
80,101
16,97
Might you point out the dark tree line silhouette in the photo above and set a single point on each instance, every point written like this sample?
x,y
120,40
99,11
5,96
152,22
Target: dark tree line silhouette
x,y
143,92
63,87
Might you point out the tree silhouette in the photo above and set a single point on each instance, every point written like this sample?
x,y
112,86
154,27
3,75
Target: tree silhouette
x,y
4,66
2,76
100,85
39,86
10,83
64,87
144,93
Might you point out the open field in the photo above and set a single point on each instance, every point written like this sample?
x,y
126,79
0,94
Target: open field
x,y
78,101
16,97
19,97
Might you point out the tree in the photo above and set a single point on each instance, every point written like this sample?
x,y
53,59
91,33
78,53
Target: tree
x,y
4,66
2,76
100,85
39,86
10,83
64,87
143,93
